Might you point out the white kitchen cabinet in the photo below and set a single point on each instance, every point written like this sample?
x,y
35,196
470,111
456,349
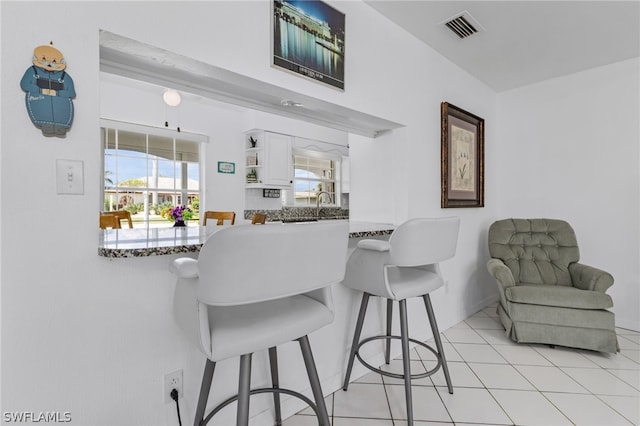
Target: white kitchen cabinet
x,y
345,174
270,158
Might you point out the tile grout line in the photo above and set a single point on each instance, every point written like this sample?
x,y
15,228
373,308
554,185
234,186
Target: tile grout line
x,y
386,395
477,377
597,366
431,380
590,365
527,380
598,396
536,388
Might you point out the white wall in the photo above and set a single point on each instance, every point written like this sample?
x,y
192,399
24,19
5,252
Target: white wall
x,y
95,336
568,148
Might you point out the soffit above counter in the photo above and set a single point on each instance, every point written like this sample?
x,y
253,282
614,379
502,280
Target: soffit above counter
x,y
133,59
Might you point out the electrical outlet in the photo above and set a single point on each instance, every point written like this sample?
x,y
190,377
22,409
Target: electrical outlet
x,y
172,381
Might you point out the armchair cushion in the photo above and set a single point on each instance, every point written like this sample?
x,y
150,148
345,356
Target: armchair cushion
x,y
560,296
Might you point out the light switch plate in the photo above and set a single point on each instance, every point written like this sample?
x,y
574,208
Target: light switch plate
x,y
70,176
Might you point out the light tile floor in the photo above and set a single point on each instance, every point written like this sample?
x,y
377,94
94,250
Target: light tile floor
x,y
498,382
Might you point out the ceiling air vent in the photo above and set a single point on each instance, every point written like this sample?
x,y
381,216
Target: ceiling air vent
x,y
463,25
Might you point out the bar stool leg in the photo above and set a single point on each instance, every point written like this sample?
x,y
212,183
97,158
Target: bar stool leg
x,y
244,385
406,359
436,338
356,338
387,353
273,361
307,355
207,377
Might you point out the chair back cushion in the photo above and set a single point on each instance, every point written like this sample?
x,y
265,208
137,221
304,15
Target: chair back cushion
x,y
247,264
538,251
424,241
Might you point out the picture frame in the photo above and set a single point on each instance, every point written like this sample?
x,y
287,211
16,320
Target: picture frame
x,y
308,39
270,193
226,167
462,158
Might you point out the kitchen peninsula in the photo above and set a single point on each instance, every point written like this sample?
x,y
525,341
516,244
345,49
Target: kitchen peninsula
x,y
141,242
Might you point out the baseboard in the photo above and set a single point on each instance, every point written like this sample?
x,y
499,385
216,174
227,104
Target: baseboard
x,y
627,325
481,304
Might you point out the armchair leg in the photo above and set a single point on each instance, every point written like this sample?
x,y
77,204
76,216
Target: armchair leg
x,y
310,364
387,353
244,385
436,338
406,360
207,378
273,360
356,339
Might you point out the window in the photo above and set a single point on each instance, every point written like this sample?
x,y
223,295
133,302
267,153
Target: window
x,y
148,170
314,172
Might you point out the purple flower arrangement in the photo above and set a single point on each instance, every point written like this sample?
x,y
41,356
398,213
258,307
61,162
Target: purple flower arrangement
x,y
178,213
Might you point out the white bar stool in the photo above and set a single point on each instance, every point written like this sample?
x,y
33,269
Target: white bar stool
x,y
253,288
403,267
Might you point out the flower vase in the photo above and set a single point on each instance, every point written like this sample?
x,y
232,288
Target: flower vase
x,y
179,223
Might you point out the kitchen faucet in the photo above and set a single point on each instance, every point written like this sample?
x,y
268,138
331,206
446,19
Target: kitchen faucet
x,y
318,202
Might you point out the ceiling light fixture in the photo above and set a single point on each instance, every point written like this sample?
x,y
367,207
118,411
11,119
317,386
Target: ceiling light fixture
x,y
287,103
171,97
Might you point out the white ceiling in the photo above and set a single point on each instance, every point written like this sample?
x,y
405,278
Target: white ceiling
x,y
524,42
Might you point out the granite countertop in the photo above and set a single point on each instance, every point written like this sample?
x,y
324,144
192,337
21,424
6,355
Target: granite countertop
x,y
141,242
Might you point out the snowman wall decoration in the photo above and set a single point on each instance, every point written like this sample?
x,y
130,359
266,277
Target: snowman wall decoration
x,y
49,90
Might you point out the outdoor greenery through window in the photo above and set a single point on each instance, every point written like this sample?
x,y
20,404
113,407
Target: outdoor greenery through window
x,y
314,172
147,171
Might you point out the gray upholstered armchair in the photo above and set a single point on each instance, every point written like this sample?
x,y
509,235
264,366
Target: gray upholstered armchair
x,y
546,296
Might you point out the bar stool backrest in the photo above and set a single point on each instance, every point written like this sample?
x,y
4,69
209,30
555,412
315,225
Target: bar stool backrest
x,y
424,241
109,221
258,219
220,217
247,264
121,215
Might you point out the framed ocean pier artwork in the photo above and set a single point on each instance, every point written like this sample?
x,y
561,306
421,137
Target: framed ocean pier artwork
x,y
462,158
308,39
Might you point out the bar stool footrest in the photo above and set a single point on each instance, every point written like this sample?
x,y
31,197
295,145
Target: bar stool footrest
x,y
396,375
226,402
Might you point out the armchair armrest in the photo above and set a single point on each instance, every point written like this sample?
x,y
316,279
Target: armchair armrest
x,y
184,267
501,273
587,277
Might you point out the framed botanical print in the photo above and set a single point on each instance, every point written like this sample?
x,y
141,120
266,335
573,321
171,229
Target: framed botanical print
x,y
462,158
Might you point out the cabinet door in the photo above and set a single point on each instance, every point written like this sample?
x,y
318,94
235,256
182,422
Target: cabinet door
x,y
278,167
345,176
